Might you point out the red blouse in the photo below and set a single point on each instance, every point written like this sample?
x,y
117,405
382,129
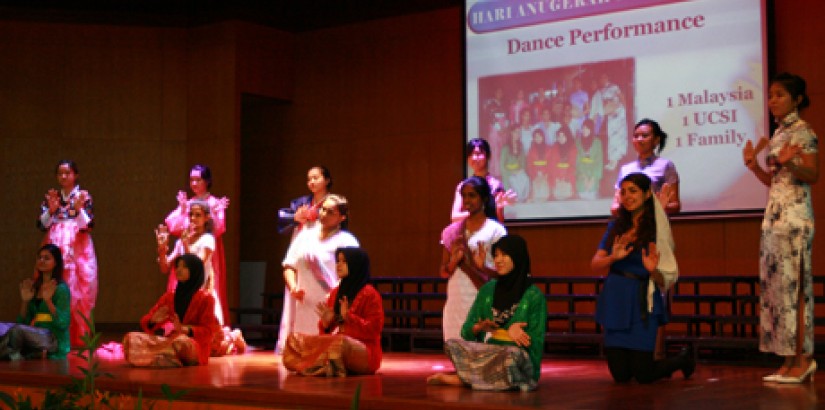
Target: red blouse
x,y
364,321
200,316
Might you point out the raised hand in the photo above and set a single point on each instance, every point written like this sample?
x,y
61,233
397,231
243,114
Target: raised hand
x,y
343,304
517,333
480,255
161,315
221,204
302,214
788,152
324,313
622,246
650,257
666,194
162,236
183,201
80,200
53,200
27,289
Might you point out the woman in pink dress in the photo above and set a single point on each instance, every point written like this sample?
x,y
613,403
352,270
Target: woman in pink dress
x,y
200,181
67,217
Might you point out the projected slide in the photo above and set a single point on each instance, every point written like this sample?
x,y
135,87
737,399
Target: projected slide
x,y
556,86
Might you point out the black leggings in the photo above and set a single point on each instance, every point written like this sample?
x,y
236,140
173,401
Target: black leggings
x,y
625,364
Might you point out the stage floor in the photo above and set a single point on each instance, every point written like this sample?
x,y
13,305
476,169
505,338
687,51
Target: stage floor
x,y
256,379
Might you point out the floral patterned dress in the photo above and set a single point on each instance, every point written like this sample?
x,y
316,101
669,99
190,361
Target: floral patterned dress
x,y
786,243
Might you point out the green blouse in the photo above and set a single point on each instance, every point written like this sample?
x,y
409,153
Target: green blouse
x,y
59,325
532,309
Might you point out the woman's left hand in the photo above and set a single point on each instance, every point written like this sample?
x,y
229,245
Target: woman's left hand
x,y
788,152
80,201
650,257
27,290
517,333
343,303
480,255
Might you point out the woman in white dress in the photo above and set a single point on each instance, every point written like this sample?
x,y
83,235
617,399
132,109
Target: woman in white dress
x,y
309,268
466,259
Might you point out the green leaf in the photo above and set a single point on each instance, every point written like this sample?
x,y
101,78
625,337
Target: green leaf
x,y
356,398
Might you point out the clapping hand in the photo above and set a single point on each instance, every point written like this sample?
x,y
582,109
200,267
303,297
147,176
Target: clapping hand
x,y
325,313
161,315
183,201
517,333
480,255
80,200
53,200
27,289
343,305
221,204
749,152
162,236
505,198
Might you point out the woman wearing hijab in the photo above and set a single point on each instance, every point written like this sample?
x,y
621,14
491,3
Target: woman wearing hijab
x,y
513,312
188,342
350,324
636,255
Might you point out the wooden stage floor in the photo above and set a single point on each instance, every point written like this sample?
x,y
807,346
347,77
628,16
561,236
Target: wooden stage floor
x,y
256,380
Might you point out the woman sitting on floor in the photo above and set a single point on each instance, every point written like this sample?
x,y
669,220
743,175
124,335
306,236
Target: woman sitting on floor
x,y
43,325
188,343
350,325
513,312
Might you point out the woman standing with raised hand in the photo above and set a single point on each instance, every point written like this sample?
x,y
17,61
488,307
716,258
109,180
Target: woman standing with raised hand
x,y
200,181
649,141
67,218
478,157
466,259
785,278
309,268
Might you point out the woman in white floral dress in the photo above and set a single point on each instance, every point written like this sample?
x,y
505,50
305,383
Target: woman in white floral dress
x,y
785,279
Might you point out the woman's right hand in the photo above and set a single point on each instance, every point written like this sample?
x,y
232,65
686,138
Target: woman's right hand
x,y
183,201
484,325
302,214
27,289
53,201
160,315
162,235
621,247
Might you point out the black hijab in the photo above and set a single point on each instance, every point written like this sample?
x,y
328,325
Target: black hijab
x,y
511,287
185,290
358,264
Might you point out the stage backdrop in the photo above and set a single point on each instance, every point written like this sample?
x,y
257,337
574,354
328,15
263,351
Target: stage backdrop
x,y
697,67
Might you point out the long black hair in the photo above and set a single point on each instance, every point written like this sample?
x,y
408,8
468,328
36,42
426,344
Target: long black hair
x,y
646,231
57,272
482,188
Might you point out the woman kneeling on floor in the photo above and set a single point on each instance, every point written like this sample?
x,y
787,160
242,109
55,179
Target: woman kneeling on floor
x,y
188,343
350,325
513,313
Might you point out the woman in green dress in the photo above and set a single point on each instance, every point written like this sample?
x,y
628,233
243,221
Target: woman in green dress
x,y
502,340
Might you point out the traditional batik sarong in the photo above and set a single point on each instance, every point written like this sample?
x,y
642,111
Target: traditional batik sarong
x,y
491,367
325,355
146,350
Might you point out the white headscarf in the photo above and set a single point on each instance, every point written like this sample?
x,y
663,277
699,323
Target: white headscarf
x,y
667,260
